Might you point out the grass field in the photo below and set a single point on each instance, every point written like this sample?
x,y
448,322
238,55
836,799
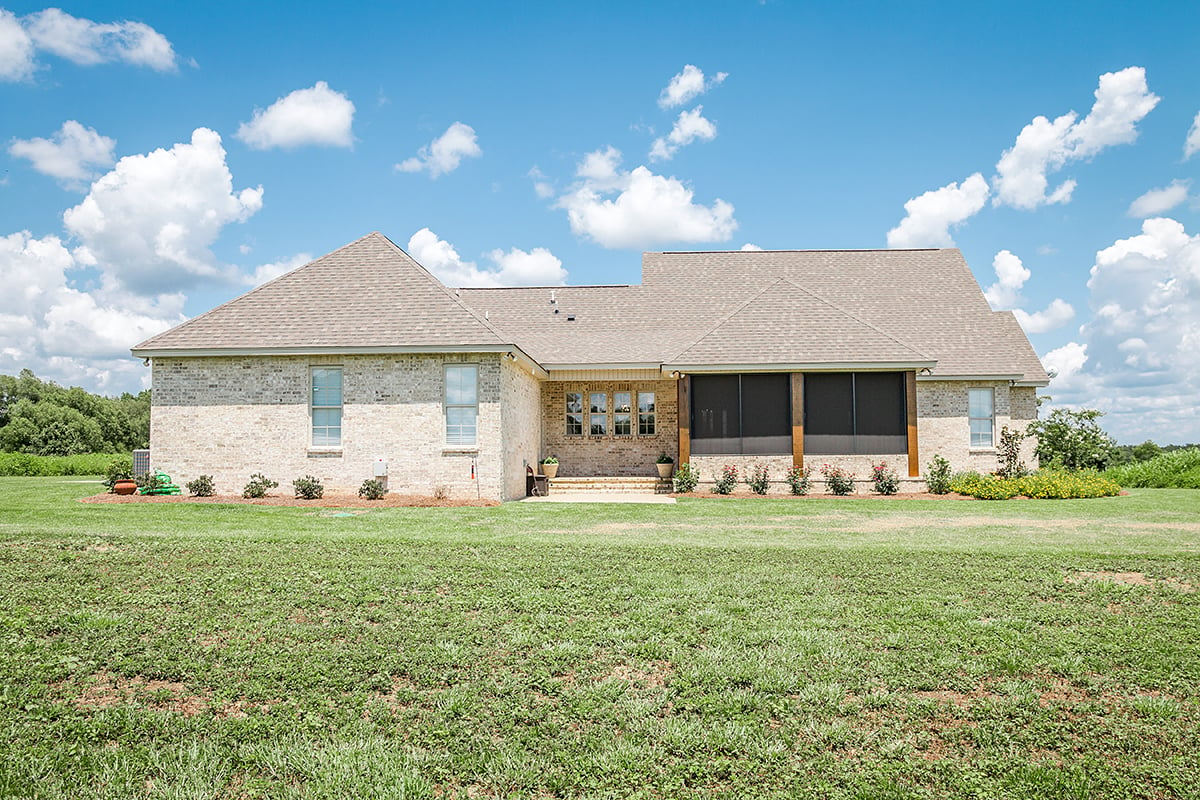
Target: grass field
x,y
714,648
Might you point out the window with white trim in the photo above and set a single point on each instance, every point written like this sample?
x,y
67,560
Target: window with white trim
x,y
646,414
574,411
622,413
326,406
598,414
462,404
981,415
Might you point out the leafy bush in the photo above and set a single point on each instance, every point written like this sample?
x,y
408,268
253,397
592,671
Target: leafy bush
x,y
150,483
885,479
372,490
989,487
258,486
1011,465
799,479
308,488
1073,438
1179,469
759,480
685,480
549,460
963,482
201,487
25,464
838,480
663,458
119,469
1059,485
937,475
726,482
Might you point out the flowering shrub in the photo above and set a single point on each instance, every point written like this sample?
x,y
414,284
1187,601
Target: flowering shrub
x,y
800,479
685,480
258,486
1011,465
886,480
308,488
372,489
759,480
726,482
838,480
937,475
1046,484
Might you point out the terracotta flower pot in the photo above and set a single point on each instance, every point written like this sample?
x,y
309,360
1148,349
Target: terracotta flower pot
x,y
124,487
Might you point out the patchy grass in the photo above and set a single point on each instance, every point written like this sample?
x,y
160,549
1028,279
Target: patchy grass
x,y
773,648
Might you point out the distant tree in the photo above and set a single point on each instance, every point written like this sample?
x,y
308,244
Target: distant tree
x,y
123,422
49,429
1145,451
1074,439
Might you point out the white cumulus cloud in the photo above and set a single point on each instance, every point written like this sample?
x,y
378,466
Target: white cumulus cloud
x,y
444,153
149,222
1053,316
1042,147
316,116
71,155
1011,275
930,216
88,43
687,85
1158,201
269,272
538,267
1190,145
638,208
689,127
16,49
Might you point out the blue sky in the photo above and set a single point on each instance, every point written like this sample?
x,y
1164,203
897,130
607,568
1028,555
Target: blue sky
x,y
157,159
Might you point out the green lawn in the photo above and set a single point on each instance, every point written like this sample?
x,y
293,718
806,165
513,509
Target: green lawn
x,y
714,648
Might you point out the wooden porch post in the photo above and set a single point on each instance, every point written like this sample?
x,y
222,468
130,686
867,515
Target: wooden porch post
x,y
910,402
684,414
798,419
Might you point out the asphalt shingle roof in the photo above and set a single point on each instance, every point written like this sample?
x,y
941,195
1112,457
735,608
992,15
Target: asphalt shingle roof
x,y
702,308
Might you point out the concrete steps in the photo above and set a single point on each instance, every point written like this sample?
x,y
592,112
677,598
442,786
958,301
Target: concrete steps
x,y
601,484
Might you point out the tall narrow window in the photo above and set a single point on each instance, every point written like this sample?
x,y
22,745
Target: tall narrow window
x,y
981,414
574,406
462,404
646,413
598,414
326,406
622,413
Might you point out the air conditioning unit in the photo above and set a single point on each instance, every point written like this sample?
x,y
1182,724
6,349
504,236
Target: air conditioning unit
x,y
141,462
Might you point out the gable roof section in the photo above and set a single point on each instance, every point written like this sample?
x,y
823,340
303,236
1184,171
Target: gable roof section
x,y
786,325
369,295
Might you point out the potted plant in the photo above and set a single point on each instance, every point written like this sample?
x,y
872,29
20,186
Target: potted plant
x,y
666,466
118,477
550,467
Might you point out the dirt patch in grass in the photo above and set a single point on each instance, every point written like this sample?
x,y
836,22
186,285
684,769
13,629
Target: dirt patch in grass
x,y
1129,579
330,500
107,690
652,675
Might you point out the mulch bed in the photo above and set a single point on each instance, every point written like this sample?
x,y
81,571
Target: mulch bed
x,y
330,500
822,496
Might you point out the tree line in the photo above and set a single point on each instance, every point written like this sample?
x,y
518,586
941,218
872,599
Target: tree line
x,y
42,418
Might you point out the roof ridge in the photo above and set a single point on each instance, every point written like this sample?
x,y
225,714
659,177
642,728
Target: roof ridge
x,y
859,319
729,316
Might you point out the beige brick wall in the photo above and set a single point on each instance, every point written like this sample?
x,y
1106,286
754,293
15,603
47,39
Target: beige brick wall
x,y
521,418
233,416
943,428
609,455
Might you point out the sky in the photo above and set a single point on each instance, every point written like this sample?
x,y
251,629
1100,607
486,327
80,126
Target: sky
x,y
159,159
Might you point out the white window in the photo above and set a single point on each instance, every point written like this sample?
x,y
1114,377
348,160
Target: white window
x,y
598,414
646,413
622,413
574,406
462,404
327,406
981,414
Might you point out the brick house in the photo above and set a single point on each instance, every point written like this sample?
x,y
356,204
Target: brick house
x,y
362,357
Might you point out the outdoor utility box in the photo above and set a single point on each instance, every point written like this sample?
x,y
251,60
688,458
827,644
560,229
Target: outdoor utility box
x,y
141,462
381,468
536,485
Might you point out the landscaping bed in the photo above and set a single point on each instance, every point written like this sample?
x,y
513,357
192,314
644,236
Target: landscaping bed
x,y
330,500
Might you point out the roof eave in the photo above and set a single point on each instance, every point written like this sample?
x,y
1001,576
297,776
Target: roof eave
x,y
820,366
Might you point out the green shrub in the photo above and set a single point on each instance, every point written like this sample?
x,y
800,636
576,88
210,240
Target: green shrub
x,y
28,465
989,487
119,469
726,482
759,480
372,489
937,475
258,486
1011,465
1179,469
685,480
1073,438
1048,484
838,480
201,487
964,482
885,479
308,488
799,479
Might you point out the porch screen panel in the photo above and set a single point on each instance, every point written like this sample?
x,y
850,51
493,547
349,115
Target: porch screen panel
x,y
716,415
828,413
767,414
880,424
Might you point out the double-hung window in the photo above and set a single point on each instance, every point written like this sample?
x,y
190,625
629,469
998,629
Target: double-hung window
x,y
622,413
598,414
326,409
574,410
462,404
646,413
981,414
